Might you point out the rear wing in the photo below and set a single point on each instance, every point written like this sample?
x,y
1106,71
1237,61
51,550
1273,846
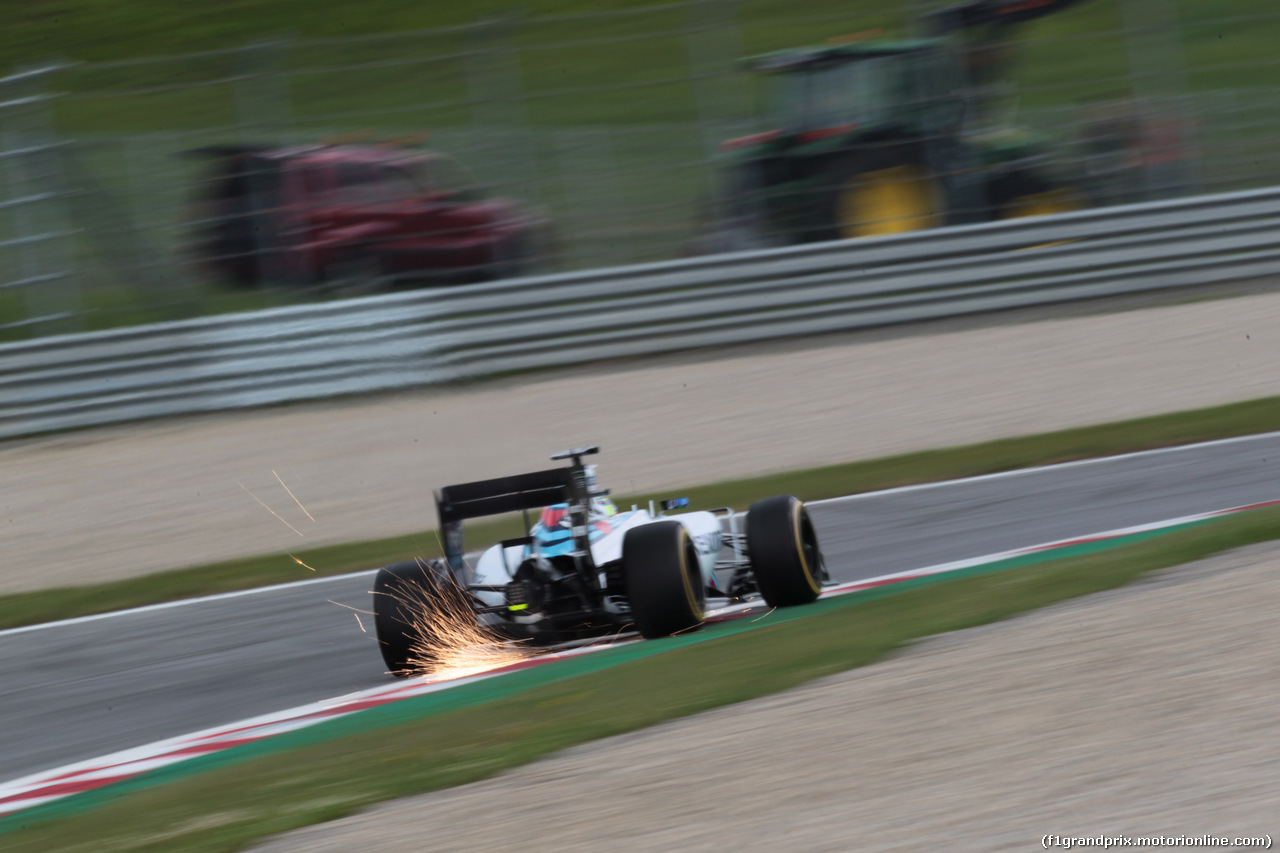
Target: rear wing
x,y
455,504
505,494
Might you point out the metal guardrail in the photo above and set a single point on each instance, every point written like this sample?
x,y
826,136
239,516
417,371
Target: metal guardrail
x,y
441,335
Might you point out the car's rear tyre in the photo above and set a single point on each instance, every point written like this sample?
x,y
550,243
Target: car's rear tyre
x,y
406,597
785,556
663,579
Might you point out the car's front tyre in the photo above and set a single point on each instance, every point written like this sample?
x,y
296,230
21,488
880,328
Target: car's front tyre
x,y
785,556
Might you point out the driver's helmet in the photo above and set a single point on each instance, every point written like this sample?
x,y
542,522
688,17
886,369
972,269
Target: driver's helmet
x,y
556,516
554,529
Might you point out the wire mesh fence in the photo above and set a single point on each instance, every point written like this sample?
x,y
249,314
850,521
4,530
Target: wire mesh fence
x,y
36,278
599,139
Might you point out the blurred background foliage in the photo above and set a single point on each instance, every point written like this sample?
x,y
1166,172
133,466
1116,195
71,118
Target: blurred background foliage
x,y
608,115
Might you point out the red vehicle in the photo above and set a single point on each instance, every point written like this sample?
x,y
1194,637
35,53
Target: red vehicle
x,y
355,214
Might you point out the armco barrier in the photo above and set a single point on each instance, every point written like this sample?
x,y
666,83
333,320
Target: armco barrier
x,y
439,335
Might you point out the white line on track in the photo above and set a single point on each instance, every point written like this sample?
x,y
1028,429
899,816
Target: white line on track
x,y
1057,466
184,602
1000,475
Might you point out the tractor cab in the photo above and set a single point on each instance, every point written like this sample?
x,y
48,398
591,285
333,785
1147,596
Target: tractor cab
x,y
858,87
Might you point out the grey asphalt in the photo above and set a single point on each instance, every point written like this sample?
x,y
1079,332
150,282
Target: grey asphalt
x,y
890,532
71,692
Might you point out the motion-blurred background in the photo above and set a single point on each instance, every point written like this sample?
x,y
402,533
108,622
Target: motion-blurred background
x,y
613,132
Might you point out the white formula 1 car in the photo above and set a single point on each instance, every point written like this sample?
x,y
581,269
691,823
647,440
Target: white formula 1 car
x,y
586,569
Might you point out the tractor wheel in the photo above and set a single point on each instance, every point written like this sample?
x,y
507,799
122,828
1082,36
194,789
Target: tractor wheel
x,y
410,601
1041,204
663,579
889,200
785,556
1023,194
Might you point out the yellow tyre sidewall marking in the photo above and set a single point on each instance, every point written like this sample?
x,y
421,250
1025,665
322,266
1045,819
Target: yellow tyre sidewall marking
x,y
694,606
796,508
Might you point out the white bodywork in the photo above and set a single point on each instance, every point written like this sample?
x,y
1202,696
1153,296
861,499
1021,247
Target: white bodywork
x,y
497,565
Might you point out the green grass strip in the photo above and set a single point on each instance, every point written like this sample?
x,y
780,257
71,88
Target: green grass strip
x,y
437,741
1256,416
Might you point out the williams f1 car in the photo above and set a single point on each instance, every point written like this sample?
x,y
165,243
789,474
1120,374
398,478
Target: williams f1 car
x,y
586,569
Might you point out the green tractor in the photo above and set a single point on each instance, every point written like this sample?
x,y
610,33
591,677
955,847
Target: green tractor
x,y
877,136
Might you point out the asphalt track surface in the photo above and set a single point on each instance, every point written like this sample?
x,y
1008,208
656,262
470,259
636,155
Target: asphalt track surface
x,y
80,690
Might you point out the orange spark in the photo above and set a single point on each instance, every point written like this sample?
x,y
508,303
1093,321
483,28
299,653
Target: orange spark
x,y
295,499
269,509
300,563
349,607
449,642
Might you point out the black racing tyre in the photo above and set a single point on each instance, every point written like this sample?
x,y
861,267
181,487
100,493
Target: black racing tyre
x,y
407,598
785,556
663,579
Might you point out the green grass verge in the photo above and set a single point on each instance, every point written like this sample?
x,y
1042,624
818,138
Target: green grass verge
x,y
1220,48
233,804
1246,418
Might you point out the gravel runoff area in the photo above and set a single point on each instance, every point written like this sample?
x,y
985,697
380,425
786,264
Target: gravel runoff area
x,y
1151,710
110,503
